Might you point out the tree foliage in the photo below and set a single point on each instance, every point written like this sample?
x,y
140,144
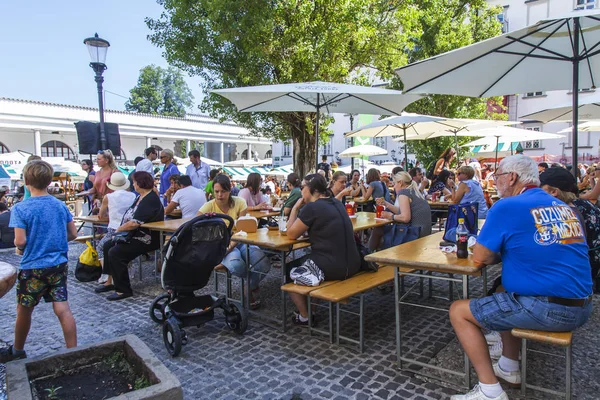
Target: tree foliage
x,y
160,91
257,42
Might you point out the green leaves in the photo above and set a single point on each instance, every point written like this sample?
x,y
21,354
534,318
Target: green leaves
x,y
160,91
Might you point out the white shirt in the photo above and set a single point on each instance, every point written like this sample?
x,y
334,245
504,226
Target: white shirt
x,y
145,165
271,185
119,201
190,199
199,175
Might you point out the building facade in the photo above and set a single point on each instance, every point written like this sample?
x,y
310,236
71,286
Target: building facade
x,y
48,130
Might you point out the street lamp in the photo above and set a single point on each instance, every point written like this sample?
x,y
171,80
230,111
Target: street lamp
x,y
98,48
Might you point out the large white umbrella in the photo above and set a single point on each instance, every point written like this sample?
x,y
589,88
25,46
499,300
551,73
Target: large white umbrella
x,y
589,126
318,97
544,56
563,113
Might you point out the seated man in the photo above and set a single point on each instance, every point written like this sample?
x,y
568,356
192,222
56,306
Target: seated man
x,y
545,272
7,234
188,198
419,178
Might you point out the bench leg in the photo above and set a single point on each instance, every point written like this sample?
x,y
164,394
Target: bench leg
x,y
140,267
465,282
310,317
398,320
451,288
337,323
523,366
568,360
361,316
331,322
283,294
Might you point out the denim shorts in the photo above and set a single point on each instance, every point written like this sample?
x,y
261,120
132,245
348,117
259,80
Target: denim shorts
x,y
504,311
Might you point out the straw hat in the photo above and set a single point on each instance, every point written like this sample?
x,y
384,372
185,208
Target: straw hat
x,y
118,181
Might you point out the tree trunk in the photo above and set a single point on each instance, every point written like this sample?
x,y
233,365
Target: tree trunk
x,y
304,146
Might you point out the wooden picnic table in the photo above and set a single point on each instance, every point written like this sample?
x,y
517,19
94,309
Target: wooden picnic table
x,y
425,256
264,213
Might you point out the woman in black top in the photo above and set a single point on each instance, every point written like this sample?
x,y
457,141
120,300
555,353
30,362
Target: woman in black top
x,y
334,255
146,208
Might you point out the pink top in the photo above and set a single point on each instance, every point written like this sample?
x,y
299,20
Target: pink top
x,y
102,177
251,200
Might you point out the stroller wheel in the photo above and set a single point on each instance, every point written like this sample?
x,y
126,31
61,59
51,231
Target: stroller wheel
x,y
172,336
237,321
157,308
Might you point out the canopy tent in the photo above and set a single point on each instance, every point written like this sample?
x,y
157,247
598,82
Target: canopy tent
x,y
563,52
4,177
16,158
496,150
318,97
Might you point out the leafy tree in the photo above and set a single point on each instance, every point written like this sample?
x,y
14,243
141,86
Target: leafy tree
x,y
160,91
257,42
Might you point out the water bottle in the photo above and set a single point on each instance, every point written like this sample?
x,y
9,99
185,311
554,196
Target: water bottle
x,y
462,239
282,224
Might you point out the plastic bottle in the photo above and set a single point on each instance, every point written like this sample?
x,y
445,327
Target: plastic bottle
x,y
462,239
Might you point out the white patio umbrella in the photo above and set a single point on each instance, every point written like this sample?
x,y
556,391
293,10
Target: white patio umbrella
x,y
318,97
495,136
588,126
563,113
363,150
544,56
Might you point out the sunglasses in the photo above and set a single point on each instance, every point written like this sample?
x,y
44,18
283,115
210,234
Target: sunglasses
x,y
161,157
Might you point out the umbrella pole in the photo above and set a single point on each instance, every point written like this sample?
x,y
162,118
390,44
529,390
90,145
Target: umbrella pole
x,y
317,135
575,110
405,150
496,160
457,150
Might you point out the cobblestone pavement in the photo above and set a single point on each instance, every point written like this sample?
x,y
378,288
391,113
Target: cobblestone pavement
x,y
266,363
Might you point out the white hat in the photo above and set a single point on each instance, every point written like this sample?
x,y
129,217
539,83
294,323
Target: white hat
x,y
118,181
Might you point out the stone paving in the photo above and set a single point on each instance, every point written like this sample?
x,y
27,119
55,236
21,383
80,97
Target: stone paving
x,y
266,363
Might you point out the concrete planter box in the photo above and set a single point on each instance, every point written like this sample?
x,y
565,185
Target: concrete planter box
x,y
163,384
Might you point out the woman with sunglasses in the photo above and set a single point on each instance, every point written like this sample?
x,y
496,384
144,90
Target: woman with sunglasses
x,y
166,157
106,162
469,190
334,255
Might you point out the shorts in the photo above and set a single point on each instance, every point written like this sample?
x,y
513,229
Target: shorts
x,y
505,311
47,283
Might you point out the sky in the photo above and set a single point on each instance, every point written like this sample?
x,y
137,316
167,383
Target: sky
x,y
43,58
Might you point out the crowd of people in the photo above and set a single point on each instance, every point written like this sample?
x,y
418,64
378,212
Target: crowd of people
x,y
549,247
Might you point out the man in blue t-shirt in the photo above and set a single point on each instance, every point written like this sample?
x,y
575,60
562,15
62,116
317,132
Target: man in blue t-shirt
x,y
43,226
545,272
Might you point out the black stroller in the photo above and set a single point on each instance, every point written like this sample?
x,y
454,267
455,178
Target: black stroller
x,y
189,258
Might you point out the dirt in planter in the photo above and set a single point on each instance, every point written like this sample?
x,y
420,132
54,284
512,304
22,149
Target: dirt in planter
x,y
107,378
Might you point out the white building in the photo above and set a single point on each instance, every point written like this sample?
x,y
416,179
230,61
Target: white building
x,y
518,14
48,130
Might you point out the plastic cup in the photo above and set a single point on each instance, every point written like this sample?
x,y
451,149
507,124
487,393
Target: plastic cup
x,y
378,211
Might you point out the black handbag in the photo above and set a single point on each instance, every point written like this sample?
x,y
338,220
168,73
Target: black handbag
x,y
123,237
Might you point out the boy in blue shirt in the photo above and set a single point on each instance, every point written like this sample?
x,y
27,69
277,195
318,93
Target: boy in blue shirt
x,y
43,226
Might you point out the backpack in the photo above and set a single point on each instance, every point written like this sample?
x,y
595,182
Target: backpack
x,y
430,170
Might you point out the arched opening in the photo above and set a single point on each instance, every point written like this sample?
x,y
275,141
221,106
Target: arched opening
x,y
122,156
55,148
3,148
269,154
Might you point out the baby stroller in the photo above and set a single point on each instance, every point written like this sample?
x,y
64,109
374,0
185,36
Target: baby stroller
x,y
189,258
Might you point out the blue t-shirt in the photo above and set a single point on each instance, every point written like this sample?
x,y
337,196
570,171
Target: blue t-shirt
x,y
542,245
45,220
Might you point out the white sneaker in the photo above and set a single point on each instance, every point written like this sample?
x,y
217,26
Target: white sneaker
x,y
496,350
477,394
103,278
493,337
512,379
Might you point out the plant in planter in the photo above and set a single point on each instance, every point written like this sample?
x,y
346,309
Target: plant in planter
x,y
118,368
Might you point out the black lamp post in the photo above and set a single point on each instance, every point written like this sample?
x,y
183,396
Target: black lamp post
x,y
98,48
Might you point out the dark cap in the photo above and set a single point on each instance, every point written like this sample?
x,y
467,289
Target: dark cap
x,y
559,178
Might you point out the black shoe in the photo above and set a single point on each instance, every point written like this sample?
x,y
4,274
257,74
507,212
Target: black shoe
x,y
7,355
104,288
117,296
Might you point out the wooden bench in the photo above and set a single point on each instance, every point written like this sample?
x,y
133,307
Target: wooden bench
x,y
85,238
339,292
561,339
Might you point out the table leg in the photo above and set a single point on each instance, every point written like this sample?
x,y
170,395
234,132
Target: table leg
x,y
465,282
246,296
283,294
94,236
398,321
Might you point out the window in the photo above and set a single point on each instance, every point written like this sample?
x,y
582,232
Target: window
x,y
349,142
327,148
534,94
380,142
3,148
286,149
502,18
585,4
533,144
269,154
55,148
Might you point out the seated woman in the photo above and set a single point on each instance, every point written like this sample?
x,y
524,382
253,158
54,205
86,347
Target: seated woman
x,y
114,205
293,184
469,191
338,186
147,208
376,188
443,183
235,260
561,184
358,189
252,195
334,255
410,208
